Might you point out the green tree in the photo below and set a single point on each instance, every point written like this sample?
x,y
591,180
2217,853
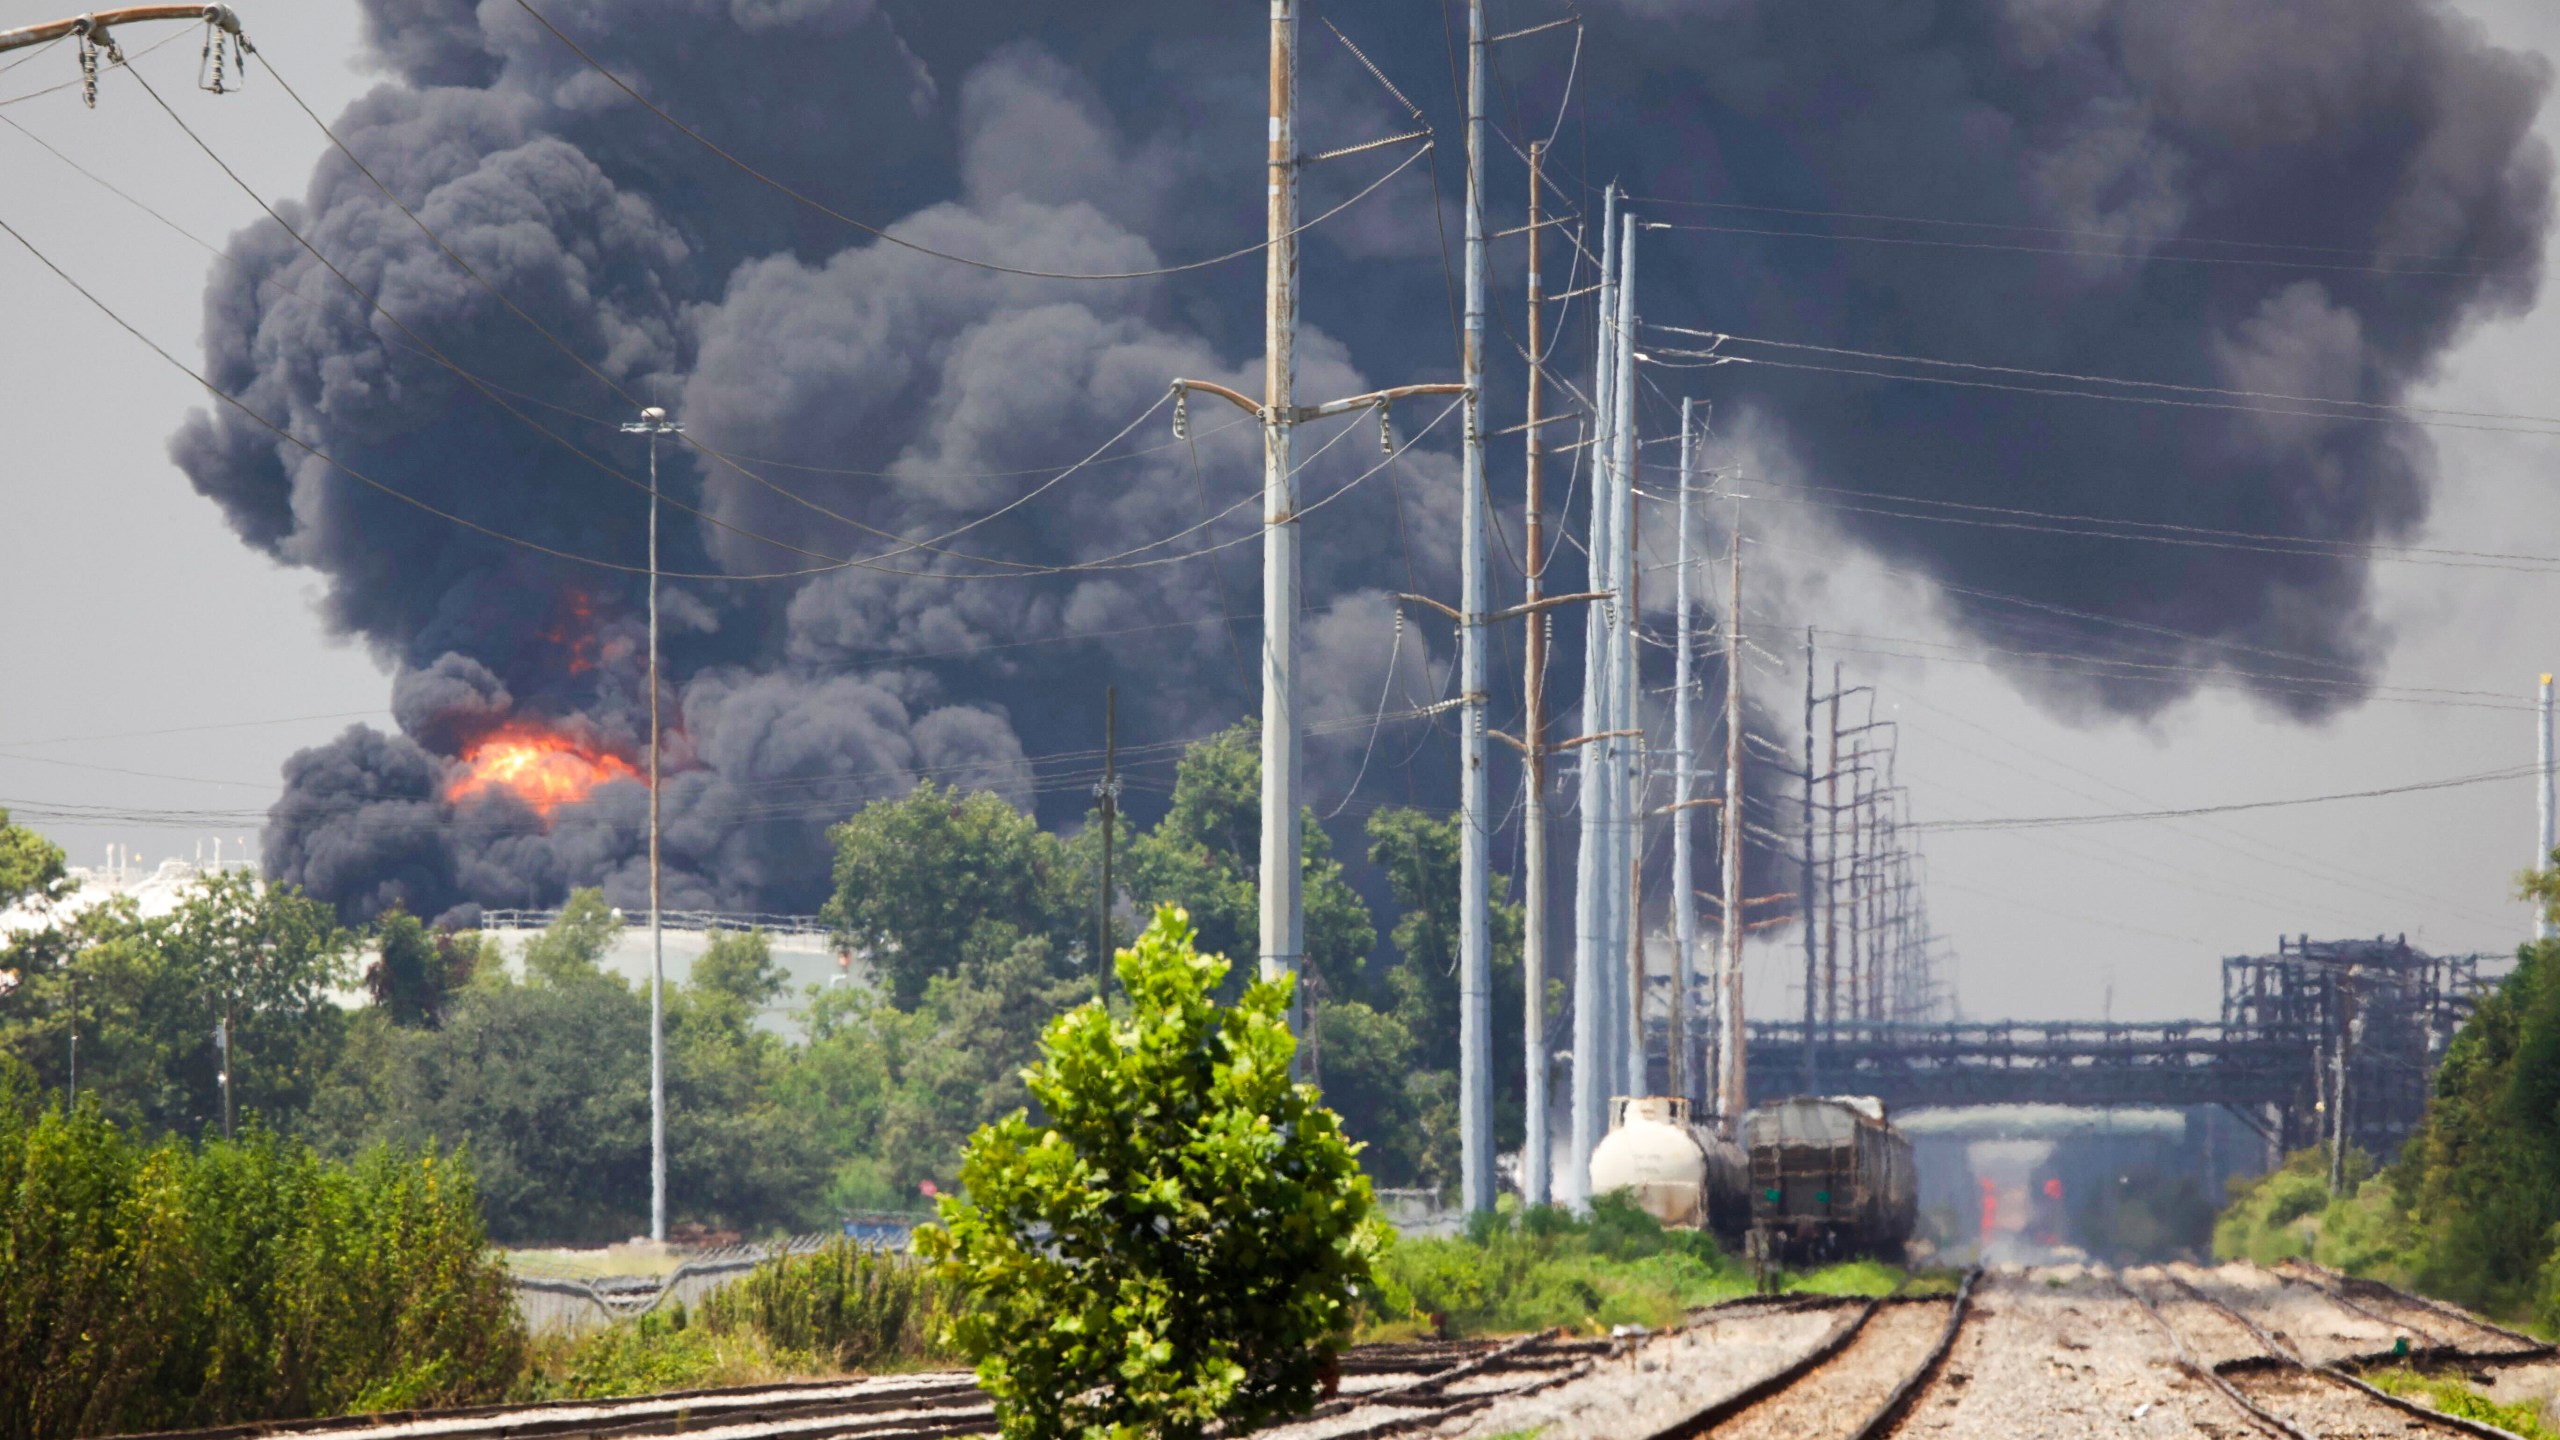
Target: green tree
x,y
895,1093
151,1285
1202,856
571,949
547,1082
146,996
1181,1244
30,865
1369,1075
548,1086
920,880
415,969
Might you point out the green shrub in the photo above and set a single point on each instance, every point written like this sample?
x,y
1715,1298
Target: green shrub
x,y
154,1286
850,1305
1517,1271
1182,1242
2449,1394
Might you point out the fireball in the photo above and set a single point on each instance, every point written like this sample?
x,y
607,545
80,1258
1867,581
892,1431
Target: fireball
x,y
542,768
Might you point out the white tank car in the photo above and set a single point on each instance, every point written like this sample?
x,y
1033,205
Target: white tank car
x,y
1684,1175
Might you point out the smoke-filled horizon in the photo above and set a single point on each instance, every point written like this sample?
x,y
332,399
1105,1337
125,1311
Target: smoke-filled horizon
x,y
865,391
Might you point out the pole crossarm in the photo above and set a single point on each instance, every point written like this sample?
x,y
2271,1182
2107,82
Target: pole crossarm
x,y
1550,602
1579,741
1302,413
97,23
1375,398
1701,802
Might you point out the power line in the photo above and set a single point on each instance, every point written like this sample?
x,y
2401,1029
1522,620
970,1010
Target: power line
x,y
878,233
2052,230
2155,400
2163,532
2394,407
2136,256
2040,822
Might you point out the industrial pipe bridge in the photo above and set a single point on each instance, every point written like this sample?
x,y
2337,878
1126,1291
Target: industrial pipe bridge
x,y
2324,1039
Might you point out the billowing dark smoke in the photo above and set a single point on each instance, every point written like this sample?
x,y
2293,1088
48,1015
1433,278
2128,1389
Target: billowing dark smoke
x,y
860,391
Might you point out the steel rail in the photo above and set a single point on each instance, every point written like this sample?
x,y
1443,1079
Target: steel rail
x,y
1776,1382
2286,1357
2187,1362
2527,1346
1896,1405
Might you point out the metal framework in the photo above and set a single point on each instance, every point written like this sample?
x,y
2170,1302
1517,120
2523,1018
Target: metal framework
x,y
2320,1039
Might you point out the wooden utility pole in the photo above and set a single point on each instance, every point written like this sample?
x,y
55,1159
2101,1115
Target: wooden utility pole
x,y
1281,882
1535,1147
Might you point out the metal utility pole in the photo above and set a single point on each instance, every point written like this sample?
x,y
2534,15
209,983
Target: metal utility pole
x,y
1804,881
1107,792
1627,834
1475,819
2543,928
1535,1149
1591,889
1684,883
1280,880
1283,917
653,422
1734,1093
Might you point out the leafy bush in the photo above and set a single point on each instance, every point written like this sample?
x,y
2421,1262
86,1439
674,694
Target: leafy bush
x,y
2449,1394
154,1286
1182,1242
850,1305
1516,1272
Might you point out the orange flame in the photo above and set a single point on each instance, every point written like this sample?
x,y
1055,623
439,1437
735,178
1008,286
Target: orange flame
x,y
544,769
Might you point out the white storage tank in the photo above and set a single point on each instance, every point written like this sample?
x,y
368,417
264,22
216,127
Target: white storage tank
x,y
1681,1174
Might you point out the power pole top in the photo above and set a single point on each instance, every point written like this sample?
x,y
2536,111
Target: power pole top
x,y
95,25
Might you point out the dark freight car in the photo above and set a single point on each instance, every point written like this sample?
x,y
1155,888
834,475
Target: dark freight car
x,y
1829,1178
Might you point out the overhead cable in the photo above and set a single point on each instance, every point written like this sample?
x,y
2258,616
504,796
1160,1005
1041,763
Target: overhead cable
x,y
892,238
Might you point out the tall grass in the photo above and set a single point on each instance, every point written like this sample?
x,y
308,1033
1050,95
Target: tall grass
x,y
1545,1267
849,1304
159,1285
846,1307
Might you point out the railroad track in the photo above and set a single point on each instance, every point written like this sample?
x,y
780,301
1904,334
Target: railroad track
x,y
1856,1383
2281,1392
2443,1325
1385,1390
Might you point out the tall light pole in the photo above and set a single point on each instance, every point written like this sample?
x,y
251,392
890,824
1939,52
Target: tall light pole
x,y
653,422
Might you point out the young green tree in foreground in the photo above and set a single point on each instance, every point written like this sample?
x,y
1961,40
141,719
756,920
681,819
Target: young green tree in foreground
x,y
1182,1242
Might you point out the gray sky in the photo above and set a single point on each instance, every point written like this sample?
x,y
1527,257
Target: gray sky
x,y
135,610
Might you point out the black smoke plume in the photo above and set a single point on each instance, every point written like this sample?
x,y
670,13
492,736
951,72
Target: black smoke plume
x,y
865,391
